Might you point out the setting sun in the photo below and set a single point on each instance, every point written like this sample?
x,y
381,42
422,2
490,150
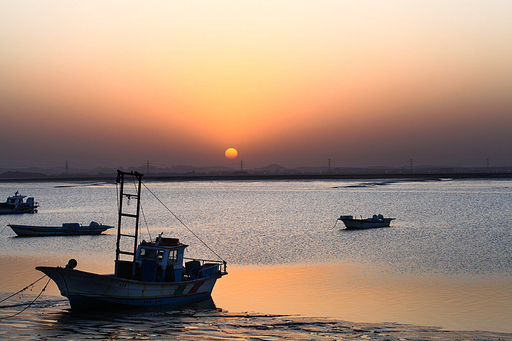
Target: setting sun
x,y
231,153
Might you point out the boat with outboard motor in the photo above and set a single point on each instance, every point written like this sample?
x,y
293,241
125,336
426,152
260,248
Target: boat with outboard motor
x,y
375,221
17,204
67,229
156,273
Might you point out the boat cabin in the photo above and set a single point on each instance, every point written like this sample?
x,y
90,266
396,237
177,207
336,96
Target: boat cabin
x,y
17,200
160,261
163,261
17,204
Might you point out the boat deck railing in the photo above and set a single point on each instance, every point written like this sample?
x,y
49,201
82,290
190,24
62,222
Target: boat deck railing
x,y
202,268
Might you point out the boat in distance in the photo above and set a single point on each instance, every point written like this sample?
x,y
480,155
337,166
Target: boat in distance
x,y
17,204
154,273
375,221
67,229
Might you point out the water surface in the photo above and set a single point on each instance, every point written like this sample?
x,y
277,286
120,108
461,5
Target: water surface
x,y
446,260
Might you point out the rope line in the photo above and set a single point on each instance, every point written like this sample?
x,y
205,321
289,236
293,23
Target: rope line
x,y
141,209
145,221
182,223
140,206
25,288
28,306
4,229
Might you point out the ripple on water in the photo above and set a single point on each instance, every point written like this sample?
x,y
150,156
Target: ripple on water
x,y
50,318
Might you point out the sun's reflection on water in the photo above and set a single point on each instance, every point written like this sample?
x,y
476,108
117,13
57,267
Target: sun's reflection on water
x,y
360,293
349,292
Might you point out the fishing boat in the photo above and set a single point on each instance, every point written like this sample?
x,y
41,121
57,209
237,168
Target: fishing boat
x,y
17,204
154,273
68,229
352,223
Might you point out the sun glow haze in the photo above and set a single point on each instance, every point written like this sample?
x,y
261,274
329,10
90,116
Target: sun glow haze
x,y
296,83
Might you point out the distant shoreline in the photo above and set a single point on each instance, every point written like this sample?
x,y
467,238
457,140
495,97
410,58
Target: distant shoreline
x,y
264,177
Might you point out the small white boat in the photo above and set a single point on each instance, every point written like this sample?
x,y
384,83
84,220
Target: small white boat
x,y
152,273
17,205
375,221
64,230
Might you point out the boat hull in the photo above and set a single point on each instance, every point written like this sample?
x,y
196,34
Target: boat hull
x,y
30,231
89,291
11,209
357,224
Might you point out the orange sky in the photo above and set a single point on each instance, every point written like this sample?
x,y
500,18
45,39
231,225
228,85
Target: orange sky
x,y
363,83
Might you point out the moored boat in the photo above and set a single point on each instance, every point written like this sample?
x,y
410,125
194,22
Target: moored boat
x,y
375,221
156,273
68,229
17,204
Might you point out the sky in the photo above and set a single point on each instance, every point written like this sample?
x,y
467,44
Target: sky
x,y
297,83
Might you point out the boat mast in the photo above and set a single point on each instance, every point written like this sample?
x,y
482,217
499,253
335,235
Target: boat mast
x,y
123,212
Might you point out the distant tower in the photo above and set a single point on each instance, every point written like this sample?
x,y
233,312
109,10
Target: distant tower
x,y
67,168
242,165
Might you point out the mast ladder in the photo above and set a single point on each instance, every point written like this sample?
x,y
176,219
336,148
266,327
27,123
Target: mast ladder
x,y
120,268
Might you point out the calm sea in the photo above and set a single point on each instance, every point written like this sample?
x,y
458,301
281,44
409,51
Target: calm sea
x,y
446,260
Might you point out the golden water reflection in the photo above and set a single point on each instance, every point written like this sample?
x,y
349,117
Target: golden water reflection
x,y
343,291
356,293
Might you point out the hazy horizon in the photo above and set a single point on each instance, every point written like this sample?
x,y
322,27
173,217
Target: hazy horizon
x,y
274,168
294,83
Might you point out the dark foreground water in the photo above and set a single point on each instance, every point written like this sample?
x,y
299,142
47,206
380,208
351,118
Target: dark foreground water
x,y
49,318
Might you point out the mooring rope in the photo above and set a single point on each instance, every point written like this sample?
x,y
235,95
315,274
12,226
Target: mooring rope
x,y
29,304
182,223
4,229
25,288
